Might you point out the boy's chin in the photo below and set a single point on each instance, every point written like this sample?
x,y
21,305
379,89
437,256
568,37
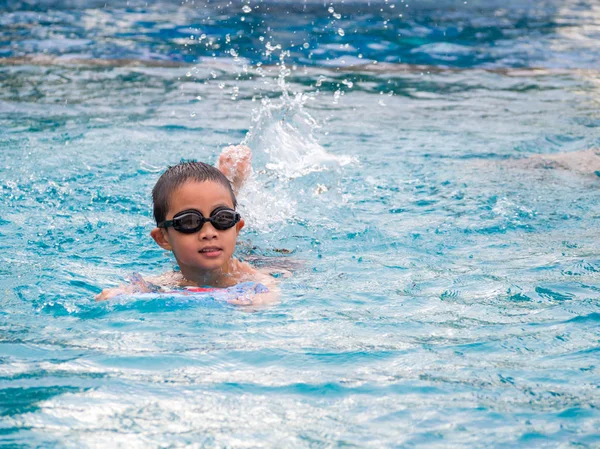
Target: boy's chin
x,y
202,266
213,265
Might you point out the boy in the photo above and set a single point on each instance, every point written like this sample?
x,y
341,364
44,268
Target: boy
x,y
194,209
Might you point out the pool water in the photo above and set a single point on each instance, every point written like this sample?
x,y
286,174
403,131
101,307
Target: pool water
x,y
445,290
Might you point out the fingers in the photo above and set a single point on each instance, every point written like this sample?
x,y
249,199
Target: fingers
x,y
235,162
235,155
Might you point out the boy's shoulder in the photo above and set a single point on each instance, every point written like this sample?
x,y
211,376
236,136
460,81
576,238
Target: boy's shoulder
x,y
168,279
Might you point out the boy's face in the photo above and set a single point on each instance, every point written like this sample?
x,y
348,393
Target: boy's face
x,y
207,249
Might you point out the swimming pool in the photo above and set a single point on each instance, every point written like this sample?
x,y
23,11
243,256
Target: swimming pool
x,y
444,293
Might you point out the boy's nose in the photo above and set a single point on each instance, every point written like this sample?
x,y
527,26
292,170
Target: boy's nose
x,y
207,232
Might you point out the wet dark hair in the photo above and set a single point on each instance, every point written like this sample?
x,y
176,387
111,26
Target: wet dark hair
x,y
175,176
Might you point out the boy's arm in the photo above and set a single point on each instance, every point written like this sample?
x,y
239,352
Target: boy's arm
x,y
138,285
235,162
109,293
272,295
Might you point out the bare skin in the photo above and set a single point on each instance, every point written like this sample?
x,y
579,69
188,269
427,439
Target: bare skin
x,y
240,272
235,162
586,162
204,257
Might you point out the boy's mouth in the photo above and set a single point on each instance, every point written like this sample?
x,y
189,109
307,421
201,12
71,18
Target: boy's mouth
x,y
210,251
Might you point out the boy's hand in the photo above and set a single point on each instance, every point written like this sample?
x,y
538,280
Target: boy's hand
x,y
235,162
109,293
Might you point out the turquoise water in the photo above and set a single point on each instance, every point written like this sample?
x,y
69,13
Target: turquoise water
x,y
445,288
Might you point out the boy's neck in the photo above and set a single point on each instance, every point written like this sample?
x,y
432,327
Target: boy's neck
x,y
221,277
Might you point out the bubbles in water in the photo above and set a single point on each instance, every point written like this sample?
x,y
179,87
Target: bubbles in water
x,y
341,32
246,9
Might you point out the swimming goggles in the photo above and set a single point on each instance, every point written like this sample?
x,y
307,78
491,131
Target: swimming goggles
x,y
190,221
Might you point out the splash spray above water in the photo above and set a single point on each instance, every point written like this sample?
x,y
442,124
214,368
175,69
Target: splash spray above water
x,y
282,137
281,134
285,148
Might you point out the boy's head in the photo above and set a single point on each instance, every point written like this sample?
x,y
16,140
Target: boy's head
x,y
174,177
194,211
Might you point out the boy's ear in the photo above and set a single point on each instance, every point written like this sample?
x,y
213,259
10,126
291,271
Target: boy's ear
x,y
239,225
160,238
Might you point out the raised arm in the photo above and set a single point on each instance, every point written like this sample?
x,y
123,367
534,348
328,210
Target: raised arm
x,y
235,162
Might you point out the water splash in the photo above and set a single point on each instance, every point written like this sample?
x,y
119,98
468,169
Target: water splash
x,y
285,148
282,136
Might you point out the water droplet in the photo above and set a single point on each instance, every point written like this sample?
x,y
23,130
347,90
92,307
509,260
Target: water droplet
x,y
320,189
341,32
305,45
193,114
198,98
221,85
246,9
336,96
188,74
331,10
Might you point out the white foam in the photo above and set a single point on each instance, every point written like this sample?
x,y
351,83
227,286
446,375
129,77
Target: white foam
x,y
284,146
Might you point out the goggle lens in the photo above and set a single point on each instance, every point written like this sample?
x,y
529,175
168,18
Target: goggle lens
x,y
224,219
188,221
